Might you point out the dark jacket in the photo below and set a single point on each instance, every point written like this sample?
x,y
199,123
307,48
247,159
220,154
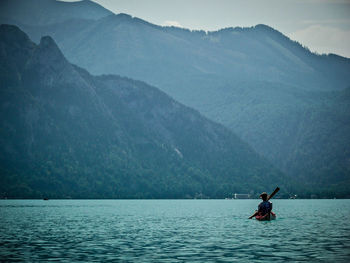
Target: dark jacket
x,y
264,207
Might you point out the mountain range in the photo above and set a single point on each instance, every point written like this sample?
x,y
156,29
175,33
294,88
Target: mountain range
x,y
68,134
289,104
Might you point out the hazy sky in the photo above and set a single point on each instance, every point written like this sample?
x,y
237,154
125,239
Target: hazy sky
x,y
321,25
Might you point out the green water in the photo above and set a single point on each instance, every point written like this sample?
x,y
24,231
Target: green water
x,y
173,231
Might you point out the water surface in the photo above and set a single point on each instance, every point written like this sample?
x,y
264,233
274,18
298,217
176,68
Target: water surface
x,y
173,231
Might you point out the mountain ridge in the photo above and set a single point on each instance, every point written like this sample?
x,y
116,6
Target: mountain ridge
x,y
255,81
68,134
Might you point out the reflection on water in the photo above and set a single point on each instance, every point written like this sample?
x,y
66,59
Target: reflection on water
x,y
173,231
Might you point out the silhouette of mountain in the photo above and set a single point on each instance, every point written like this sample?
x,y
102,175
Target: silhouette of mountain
x,y
159,55
255,81
65,133
285,101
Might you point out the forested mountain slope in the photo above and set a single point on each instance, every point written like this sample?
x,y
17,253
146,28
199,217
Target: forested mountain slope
x,y
285,101
66,133
253,80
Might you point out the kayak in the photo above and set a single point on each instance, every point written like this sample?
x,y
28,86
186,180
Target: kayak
x,y
266,217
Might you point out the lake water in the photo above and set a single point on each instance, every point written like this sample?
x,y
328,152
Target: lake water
x,y
173,231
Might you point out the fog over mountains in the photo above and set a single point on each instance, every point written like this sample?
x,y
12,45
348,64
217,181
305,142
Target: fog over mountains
x,y
290,105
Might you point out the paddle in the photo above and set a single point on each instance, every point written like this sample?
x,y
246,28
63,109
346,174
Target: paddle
x,y
273,193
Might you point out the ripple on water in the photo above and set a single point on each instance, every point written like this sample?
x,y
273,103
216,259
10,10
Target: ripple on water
x,y
173,231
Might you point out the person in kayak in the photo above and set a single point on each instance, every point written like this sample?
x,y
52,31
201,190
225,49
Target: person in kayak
x,y
264,208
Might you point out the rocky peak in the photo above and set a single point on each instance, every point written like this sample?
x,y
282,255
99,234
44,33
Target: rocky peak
x,y
15,47
49,53
13,36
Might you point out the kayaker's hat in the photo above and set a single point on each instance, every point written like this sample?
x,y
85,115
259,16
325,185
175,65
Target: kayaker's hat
x,y
264,193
